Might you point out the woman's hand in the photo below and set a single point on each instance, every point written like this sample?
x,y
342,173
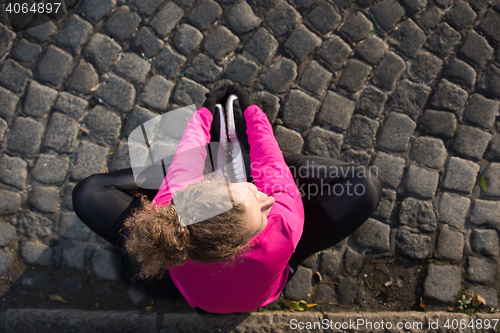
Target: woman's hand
x,y
213,97
243,97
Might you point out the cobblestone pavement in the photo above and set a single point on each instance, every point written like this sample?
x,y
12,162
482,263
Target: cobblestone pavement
x,y
410,87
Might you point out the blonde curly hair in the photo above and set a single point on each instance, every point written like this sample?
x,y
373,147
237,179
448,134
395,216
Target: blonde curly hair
x,y
155,235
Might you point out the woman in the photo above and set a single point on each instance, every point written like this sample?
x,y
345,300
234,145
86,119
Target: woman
x,y
239,260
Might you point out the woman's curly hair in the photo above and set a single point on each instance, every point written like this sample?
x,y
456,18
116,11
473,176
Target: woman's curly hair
x,y
155,235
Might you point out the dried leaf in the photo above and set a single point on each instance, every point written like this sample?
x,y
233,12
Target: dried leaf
x,y
306,305
484,183
293,306
84,130
151,308
319,276
277,58
478,300
421,304
94,88
57,298
451,309
114,150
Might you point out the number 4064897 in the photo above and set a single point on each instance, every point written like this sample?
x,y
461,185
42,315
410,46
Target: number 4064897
x,y
37,8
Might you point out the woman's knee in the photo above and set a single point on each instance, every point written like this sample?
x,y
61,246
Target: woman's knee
x,y
369,190
84,191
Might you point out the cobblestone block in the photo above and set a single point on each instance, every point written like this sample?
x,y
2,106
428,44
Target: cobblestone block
x,y
187,38
32,224
189,3
268,103
305,3
280,76
342,5
7,233
415,5
417,214
372,50
67,196
426,66
324,17
301,43
50,169
8,103
485,213
410,98
189,92
123,23
262,45
431,17
460,72
146,42
356,157
471,142
324,294
492,175
71,105
415,246
121,158
5,262
389,168
241,18
205,14
103,124
61,133
373,235
334,52
74,34
372,102
354,75
44,199
485,242
83,78
336,110
170,15
39,100
13,171
299,286
168,63
137,117
387,13
14,76
117,92
481,270
73,258
384,209
299,109
202,69
494,150
315,78
443,3
156,93
3,128
449,96
460,175
242,71
490,81
441,123
476,50
25,136
478,5
133,67
330,263
42,32
90,159
102,52
357,27
9,203
443,39
389,70
146,7
282,18
54,65
346,290
97,9
490,25
408,38
35,253
429,151
481,111
71,227
25,51
442,283
362,131
421,182
106,265
220,43
453,210
324,143
288,140
460,15
396,132
6,39
353,261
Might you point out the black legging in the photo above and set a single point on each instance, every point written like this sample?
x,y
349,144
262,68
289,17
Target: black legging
x,y
103,201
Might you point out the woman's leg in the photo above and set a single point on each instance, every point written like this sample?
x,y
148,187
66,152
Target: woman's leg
x,y
338,198
103,202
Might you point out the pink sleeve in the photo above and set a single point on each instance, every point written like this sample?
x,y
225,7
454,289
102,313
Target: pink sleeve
x,y
270,173
189,159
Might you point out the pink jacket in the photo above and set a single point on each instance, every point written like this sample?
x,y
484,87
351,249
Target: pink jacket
x,y
257,277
